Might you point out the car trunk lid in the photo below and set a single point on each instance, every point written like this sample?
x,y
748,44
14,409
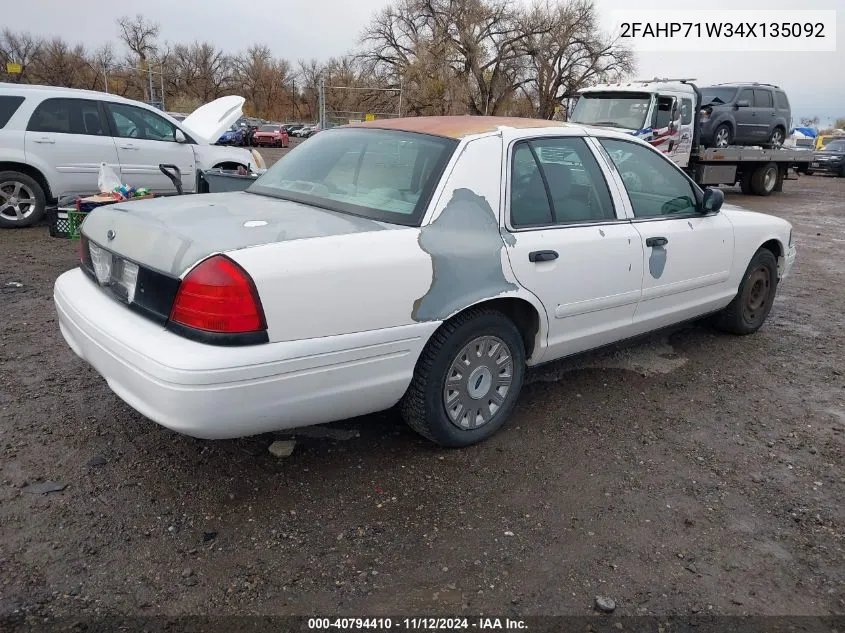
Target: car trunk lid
x,y
171,235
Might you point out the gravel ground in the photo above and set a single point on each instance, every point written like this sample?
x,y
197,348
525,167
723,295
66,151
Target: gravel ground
x,y
690,472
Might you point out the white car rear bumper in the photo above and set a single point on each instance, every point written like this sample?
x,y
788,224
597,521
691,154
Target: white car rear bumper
x,y
215,392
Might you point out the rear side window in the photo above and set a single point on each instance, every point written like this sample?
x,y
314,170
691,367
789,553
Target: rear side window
x,y
763,98
68,116
782,101
8,106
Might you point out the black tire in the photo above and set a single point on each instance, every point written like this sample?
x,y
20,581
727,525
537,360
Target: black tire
x,y
764,179
723,130
423,405
842,172
777,137
23,213
745,183
749,309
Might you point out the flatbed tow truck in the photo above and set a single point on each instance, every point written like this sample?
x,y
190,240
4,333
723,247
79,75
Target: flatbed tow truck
x,y
666,113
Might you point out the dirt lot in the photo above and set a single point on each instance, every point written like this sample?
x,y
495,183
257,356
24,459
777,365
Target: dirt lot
x,y
691,472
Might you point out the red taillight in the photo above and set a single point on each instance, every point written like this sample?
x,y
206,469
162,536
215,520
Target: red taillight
x,y
218,296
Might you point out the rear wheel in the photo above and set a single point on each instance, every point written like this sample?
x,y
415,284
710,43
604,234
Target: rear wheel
x,y
753,301
22,200
764,180
777,138
467,379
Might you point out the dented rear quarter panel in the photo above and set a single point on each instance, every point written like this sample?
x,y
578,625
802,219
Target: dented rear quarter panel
x,y
372,280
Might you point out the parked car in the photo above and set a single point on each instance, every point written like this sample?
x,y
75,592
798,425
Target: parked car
x,y
53,141
830,160
235,135
271,136
303,130
293,127
422,262
744,114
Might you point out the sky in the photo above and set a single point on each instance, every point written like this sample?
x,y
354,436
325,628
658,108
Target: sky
x,y
324,28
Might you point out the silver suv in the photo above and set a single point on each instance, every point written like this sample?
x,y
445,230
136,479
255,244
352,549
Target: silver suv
x,y
53,141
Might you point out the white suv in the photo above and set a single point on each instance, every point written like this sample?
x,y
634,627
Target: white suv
x,y
53,140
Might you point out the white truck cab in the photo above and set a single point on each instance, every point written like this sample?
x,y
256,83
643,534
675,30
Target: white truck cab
x,y
661,112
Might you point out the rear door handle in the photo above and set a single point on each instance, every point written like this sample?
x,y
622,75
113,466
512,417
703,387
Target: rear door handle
x,y
45,139
656,241
542,256
134,147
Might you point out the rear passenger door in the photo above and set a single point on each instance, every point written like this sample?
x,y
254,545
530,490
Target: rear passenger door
x,y
570,243
71,137
764,107
146,140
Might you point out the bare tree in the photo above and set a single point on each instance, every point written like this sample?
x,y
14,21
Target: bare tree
x,y
17,48
139,35
570,54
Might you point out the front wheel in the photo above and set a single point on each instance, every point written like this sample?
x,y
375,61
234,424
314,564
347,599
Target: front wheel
x,y
467,379
722,136
753,301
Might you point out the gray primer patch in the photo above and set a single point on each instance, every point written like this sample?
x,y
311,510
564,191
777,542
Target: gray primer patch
x,y
465,245
657,261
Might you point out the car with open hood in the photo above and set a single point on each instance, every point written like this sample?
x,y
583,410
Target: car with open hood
x,y
53,141
424,262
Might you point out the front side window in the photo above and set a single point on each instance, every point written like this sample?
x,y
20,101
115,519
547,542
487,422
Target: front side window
x,y
686,111
380,174
557,181
133,122
68,116
654,185
625,110
663,113
8,106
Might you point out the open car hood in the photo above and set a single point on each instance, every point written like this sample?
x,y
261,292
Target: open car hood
x,y
208,122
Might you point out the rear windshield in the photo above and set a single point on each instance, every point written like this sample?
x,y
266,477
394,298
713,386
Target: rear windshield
x,y
384,175
717,95
8,106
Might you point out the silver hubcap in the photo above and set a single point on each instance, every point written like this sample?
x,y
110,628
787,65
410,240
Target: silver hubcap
x,y
770,178
777,138
722,137
478,382
17,201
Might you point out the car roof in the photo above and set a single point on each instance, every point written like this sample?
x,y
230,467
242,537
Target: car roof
x,y
58,91
457,127
744,85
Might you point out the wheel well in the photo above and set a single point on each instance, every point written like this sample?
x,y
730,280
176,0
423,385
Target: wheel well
x,y
521,312
30,171
775,247
229,165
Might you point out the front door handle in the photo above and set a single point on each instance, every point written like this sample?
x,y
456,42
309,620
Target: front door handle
x,y
656,241
45,139
542,256
135,147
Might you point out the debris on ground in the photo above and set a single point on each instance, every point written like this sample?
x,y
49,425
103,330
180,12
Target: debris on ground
x,y
97,461
282,448
605,604
14,284
43,488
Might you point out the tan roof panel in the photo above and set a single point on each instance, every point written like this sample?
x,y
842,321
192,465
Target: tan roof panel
x,y
456,126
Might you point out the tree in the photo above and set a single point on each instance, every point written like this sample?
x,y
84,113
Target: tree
x,y
139,35
570,54
17,48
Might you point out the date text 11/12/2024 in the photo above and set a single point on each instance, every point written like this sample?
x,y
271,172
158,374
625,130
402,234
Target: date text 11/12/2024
x,y
416,624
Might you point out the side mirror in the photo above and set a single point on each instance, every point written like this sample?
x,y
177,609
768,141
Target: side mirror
x,y
743,103
180,136
713,200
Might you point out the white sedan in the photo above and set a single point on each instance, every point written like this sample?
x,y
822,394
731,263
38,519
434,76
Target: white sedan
x,y
423,262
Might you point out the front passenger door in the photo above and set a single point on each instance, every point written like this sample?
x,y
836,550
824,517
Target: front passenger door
x,y
144,141
687,255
